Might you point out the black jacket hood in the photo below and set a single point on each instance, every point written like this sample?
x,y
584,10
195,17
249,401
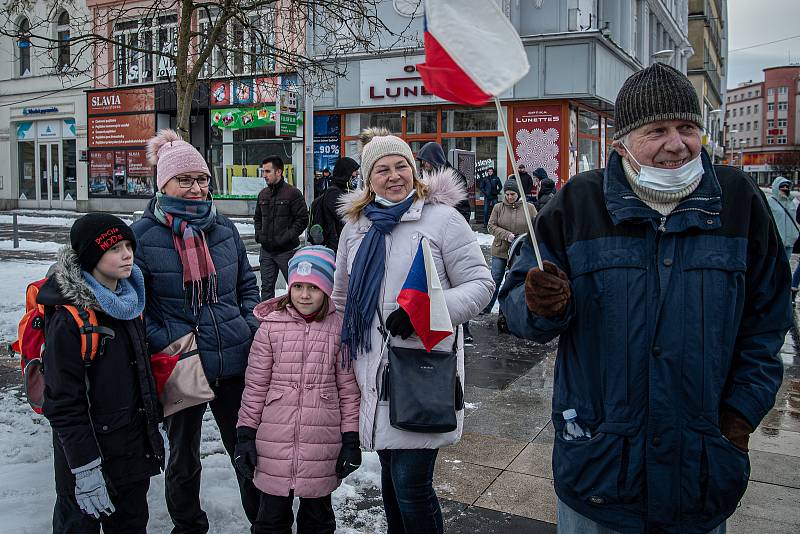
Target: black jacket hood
x,y
432,153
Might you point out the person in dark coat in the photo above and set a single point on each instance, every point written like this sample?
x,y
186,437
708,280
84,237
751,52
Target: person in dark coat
x,y
525,183
668,285
331,222
490,187
281,216
547,190
322,183
104,416
198,278
432,159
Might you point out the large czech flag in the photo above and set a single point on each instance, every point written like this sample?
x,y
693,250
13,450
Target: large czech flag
x,y
472,51
422,297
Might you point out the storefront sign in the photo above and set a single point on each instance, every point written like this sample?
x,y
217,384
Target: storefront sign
x,y
39,111
247,91
287,113
101,164
121,100
68,128
536,132
391,81
48,129
121,130
239,118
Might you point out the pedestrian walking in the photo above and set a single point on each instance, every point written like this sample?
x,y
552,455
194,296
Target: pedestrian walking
x,y
780,202
323,182
433,160
104,414
281,216
198,279
491,186
385,224
668,285
526,183
505,224
298,423
547,190
539,175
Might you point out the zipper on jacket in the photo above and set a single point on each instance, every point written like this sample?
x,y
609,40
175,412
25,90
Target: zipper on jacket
x,y
300,389
219,343
662,227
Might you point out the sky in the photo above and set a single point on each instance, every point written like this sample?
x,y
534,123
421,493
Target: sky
x,y
752,22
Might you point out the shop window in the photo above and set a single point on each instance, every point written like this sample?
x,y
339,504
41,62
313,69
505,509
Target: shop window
x,y
24,48
355,122
27,169
588,123
120,173
242,48
158,34
469,120
421,122
588,151
69,167
62,35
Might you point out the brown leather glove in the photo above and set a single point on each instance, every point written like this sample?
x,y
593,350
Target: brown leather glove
x,y
547,292
735,427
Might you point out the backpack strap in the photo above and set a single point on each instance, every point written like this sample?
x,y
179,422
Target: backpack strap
x,y
93,336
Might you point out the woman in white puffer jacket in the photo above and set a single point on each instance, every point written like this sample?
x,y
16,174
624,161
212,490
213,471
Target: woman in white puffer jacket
x,y
403,209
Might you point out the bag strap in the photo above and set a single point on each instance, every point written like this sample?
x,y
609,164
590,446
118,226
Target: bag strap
x,y
788,215
93,336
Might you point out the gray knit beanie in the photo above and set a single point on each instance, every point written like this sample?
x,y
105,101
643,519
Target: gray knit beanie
x,y
657,93
377,143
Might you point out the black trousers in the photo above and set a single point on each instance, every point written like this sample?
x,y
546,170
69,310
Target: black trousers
x,y
270,264
130,513
275,515
182,480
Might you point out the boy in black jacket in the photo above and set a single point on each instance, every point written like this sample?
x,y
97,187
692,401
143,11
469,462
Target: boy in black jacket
x,y
104,415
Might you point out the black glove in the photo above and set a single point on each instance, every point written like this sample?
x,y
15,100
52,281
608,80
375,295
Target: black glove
x,y
350,456
399,324
244,454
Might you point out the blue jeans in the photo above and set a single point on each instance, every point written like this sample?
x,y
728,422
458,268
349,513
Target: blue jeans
x,y
498,270
409,499
488,206
571,522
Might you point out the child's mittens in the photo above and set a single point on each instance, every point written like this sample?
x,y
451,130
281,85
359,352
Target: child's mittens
x,y
350,456
244,454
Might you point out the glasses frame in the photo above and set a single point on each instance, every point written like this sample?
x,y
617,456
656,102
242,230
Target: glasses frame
x,y
193,180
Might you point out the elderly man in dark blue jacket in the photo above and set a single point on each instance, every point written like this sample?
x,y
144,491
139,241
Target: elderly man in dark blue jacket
x,y
668,285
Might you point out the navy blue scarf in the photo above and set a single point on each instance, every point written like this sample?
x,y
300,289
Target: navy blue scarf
x,y
366,277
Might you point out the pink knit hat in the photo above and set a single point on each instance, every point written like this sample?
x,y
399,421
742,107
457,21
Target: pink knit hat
x,y
313,265
172,157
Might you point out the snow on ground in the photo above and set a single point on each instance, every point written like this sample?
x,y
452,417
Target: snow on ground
x,y
15,277
54,220
484,240
31,246
245,228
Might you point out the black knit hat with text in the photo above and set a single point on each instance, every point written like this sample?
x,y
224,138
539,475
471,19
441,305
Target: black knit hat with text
x,y
94,234
657,93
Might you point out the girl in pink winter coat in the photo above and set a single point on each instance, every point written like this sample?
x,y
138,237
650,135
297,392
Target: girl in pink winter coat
x,y
298,422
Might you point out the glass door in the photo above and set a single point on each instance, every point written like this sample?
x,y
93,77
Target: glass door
x,y
49,171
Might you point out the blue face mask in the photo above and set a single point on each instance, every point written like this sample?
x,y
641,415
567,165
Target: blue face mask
x,y
667,180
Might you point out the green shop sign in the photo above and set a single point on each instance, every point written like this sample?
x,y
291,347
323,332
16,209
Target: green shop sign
x,y
238,118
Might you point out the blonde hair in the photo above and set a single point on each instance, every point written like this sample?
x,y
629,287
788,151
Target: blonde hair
x,y
354,210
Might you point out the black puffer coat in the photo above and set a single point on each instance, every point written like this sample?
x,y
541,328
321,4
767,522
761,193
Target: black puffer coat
x,y
124,408
281,216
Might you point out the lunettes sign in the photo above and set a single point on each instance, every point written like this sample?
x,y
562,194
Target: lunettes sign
x,y
390,81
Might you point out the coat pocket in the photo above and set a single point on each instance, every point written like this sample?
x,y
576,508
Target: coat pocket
x,y
597,470
714,472
113,430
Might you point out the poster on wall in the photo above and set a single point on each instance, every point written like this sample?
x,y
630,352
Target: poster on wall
x,y
101,169
266,89
120,100
120,130
537,130
140,173
220,93
243,92
239,118
327,133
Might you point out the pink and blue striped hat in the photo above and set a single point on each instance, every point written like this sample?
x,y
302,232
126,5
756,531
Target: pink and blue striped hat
x,y
313,265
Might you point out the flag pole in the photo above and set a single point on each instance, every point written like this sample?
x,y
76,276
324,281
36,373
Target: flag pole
x,y
502,120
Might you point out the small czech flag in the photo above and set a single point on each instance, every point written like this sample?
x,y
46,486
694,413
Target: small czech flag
x,y
422,297
472,51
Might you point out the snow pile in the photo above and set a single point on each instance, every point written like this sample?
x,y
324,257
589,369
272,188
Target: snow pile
x,y
32,246
484,240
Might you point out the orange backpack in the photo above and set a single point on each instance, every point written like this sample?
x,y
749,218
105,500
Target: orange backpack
x,y
30,344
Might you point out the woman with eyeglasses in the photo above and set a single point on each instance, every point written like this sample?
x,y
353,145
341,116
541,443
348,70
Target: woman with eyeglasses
x,y
198,279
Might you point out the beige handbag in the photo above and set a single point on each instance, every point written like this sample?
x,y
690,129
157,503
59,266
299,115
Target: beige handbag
x,y
180,379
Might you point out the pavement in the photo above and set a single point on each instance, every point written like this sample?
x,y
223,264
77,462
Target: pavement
x,y
498,478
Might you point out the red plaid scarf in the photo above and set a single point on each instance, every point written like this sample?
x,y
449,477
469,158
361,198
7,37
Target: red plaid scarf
x,y
199,274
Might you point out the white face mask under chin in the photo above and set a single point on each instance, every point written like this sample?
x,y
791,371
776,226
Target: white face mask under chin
x,y
667,180
388,203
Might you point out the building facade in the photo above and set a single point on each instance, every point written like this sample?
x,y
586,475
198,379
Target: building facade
x,y
42,115
560,115
761,122
707,67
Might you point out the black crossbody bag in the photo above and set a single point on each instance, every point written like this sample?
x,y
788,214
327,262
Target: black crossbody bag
x,y
423,388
